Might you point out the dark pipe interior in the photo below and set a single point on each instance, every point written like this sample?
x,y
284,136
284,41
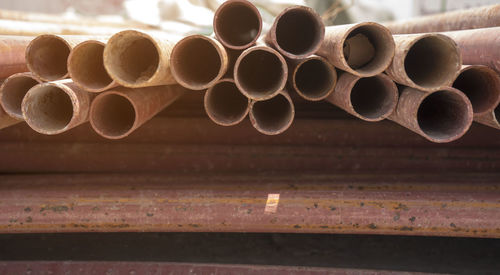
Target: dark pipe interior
x,y
497,113
299,31
273,115
14,91
48,57
87,66
260,73
314,78
432,61
371,98
481,87
226,103
49,108
442,115
238,24
113,115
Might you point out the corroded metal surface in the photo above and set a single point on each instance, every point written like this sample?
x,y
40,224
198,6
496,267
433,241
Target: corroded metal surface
x,y
13,90
12,49
272,116
225,104
313,77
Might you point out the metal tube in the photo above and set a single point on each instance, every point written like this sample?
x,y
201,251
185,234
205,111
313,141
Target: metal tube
x,y
272,116
440,116
237,24
481,85
482,17
225,104
297,32
86,67
426,62
198,62
13,90
362,49
313,78
117,113
260,72
55,107
491,118
12,51
136,59
368,98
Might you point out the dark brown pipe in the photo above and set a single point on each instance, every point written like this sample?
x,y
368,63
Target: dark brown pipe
x,y
363,49
198,61
225,104
313,78
13,90
237,24
482,17
55,107
116,113
440,116
260,72
426,62
481,85
47,55
86,67
369,98
491,118
272,116
12,51
297,32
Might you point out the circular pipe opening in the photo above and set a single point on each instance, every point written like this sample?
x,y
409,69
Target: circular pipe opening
x,y
374,98
196,62
13,91
369,49
432,61
47,109
273,116
443,115
260,74
225,104
86,66
131,57
299,31
47,57
314,79
112,115
237,24
481,85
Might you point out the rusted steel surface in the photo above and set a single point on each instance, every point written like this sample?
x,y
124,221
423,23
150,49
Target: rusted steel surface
x,y
425,61
86,67
198,62
377,39
440,116
313,78
273,116
482,17
237,24
297,32
491,118
6,120
12,49
54,107
117,113
13,90
146,268
137,59
431,205
479,46
225,104
368,98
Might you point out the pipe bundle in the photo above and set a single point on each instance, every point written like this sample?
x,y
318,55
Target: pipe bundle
x,y
118,82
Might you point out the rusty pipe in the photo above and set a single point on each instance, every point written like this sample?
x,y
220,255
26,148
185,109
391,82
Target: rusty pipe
x,y
481,85
225,104
137,59
237,24
491,118
440,116
47,55
13,90
368,98
260,72
55,107
426,62
362,49
313,78
86,67
297,32
482,17
198,62
12,59
272,116
116,113
5,119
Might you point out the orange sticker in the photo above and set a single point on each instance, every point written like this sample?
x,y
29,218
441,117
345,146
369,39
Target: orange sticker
x,y
272,203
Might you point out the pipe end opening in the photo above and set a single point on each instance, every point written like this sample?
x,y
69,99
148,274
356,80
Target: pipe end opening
x,y
481,86
238,24
273,116
13,92
315,79
225,104
374,98
86,66
112,115
47,57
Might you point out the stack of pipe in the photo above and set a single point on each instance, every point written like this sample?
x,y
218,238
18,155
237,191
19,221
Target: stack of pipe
x,y
121,79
